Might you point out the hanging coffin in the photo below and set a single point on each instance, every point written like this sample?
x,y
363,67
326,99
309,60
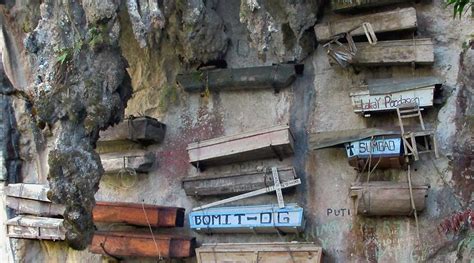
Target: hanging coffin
x,y
380,151
33,227
138,214
248,219
387,198
275,252
388,94
276,77
136,244
266,143
138,163
357,5
234,183
31,199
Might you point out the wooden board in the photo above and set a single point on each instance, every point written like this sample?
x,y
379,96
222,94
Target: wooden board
x,y
274,142
144,130
357,5
276,77
141,163
137,244
378,146
32,227
134,214
28,191
248,219
34,207
394,20
277,252
387,198
234,183
398,52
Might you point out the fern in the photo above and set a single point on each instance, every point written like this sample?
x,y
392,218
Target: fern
x,y
459,6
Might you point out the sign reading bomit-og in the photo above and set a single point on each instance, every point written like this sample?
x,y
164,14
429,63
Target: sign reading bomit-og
x,y
379,146
248,219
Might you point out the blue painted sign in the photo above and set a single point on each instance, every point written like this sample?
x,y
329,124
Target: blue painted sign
x,y
241,219
379,146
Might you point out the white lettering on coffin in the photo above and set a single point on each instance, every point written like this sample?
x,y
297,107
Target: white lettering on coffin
x,y
379,146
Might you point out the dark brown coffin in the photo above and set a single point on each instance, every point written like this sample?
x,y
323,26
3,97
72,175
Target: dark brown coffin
x,y
357,5
144,130
134,214
395,162
127,244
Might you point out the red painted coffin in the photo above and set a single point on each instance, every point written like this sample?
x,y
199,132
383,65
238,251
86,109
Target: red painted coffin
x,y
127,244
137,214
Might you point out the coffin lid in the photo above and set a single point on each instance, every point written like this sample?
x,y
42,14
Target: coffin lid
x,y
322,140
143,235
385,86
229,175
239,208
135,205
36,221
264,246
386,185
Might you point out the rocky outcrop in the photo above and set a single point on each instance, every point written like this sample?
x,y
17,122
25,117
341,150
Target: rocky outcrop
x,y
282,27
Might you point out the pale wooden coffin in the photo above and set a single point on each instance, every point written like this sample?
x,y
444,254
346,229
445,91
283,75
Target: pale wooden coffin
x,y
142,244
248,219
356,5
277,252
115,164
234,183
387,94
31,199
138,214
387,198
397,52
33,227
394,20
266,143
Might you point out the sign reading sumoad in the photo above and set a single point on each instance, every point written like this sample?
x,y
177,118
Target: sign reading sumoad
x,y
242,219
379,146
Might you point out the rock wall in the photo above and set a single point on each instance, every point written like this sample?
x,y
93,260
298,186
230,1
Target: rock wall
x,y
160,41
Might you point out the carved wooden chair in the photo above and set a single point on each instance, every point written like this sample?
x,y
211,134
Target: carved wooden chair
x,y
409,135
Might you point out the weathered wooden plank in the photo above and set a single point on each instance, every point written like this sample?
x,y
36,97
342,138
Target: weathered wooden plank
x,y
144,130
383,151
276,76
265,143
398,52
136,244
356,5
140,163
137,214
320,140
34,207
248,219
387,198
394,20
28,191
33,227
234,183
277,252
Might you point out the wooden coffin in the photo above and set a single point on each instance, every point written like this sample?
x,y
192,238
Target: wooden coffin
x,y
387,198
234,183
388,94
134,214
114,164
33,227
396,52
248,219
137,244
37,192
383,151
276,77
276,252
144,130
394,20
356,5
34,207
265,143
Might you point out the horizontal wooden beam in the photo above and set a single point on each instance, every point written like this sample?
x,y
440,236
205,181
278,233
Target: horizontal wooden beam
x,y
138,244
138,214
141,163
394,20
276,77
34,207
28,191
357,5
33,227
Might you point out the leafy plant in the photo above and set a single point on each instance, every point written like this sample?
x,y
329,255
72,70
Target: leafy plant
x,y
457,222
64,56
459,6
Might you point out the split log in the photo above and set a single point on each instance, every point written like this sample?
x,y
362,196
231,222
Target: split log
x,y
234,183
37,192
113,164
357,5
137,214
34,207
33,227
395,20
387,198
126,244
276,252
276,77
265,143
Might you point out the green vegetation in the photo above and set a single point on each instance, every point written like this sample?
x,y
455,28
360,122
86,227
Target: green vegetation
x,y
460,7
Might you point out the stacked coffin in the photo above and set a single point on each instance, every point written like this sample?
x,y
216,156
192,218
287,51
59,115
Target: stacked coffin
x,y
274,142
